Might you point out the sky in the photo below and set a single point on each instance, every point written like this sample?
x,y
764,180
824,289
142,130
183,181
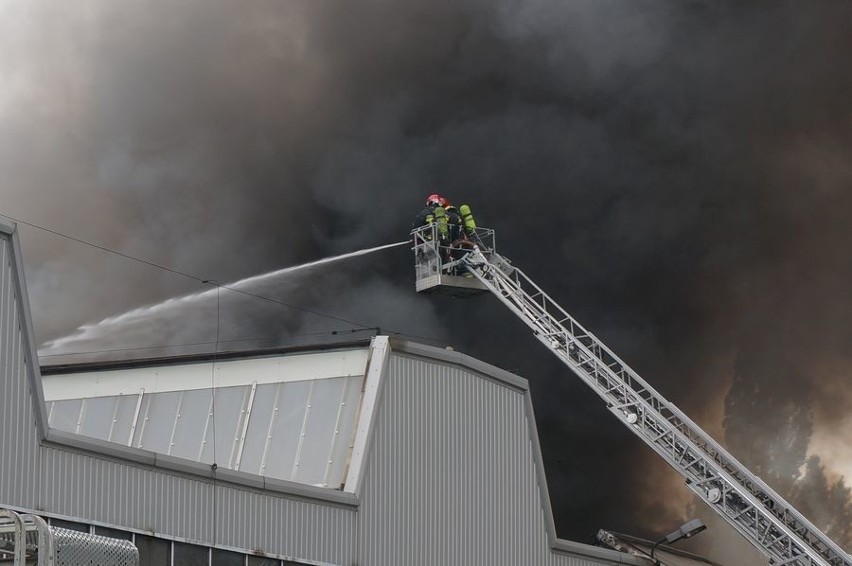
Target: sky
x,y
675,175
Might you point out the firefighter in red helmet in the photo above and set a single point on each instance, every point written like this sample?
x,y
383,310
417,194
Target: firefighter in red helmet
x,y
433,213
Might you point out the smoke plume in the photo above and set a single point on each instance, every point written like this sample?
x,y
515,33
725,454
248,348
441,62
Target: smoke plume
x,y
675,175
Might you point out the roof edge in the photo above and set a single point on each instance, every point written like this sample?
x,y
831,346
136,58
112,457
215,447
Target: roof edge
x,y
458,358
59,369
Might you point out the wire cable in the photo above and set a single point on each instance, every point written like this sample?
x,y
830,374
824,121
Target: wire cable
x,y
211,282
202,280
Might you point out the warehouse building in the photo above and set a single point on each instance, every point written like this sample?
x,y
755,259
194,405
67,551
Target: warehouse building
x,y
381,452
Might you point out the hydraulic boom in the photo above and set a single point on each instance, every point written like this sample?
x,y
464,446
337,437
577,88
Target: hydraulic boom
x,y
762,516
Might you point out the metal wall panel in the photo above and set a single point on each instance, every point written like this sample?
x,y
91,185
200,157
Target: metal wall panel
x,y
78,485
64,481
451,474
19,438
306,529
452,477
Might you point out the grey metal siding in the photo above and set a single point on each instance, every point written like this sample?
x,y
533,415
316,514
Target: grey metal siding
x,y
65,481
304,528
90,488
452,475
451,478
19,437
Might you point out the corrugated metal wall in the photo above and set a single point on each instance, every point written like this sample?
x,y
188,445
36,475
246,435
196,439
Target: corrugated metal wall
x,y
65,481
451,476
19,450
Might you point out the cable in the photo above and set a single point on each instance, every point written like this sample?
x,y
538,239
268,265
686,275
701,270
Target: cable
x,y
210,282
124,255
202,280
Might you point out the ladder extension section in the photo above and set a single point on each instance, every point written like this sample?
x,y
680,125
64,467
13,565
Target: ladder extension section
x,y
763,517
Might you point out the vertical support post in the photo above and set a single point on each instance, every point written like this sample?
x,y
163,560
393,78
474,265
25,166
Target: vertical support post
x,y
379,353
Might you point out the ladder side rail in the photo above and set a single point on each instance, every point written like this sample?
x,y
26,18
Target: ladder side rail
x,y
20,555
700,469
735,505
550,328
46,545
741,510
546,325
779,507
626,375
757,487
559,316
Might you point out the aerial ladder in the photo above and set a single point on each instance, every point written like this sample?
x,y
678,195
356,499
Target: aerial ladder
x,y
742,499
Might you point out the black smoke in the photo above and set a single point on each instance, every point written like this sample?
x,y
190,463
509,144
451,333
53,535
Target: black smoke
x,y
675,175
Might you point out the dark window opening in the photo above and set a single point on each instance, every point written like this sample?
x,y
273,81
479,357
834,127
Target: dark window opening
x,y
113,533
227,558
153,551
191,555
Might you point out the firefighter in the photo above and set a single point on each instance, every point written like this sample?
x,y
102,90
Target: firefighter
x,y
434,213
454,221
461,232
454,233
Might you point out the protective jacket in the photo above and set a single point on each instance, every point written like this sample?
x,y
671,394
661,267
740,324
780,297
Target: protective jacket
x,y
433,214
424,217
454,223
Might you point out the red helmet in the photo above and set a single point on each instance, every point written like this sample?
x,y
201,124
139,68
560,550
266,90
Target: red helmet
x,y
435,199
445,202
